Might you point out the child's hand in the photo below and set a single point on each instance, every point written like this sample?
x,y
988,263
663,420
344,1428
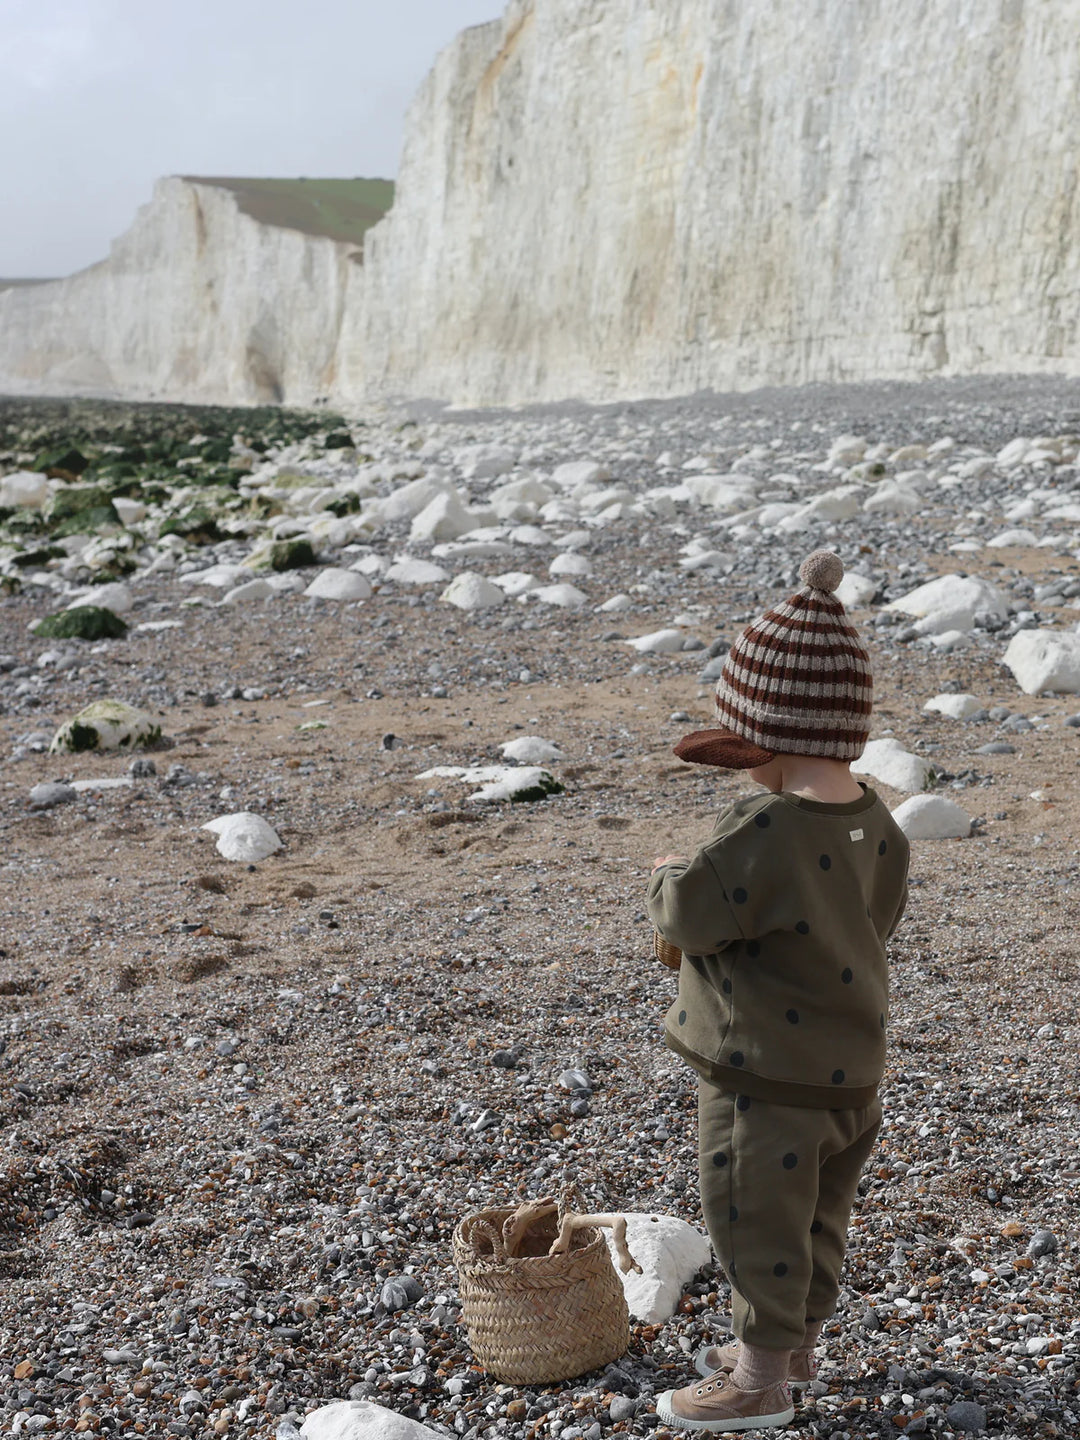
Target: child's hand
x,y
666,860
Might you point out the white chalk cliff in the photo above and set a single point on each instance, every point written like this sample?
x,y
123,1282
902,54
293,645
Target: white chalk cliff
x,y
611,198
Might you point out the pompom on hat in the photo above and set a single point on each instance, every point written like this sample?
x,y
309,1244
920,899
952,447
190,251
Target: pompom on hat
x,y
795,682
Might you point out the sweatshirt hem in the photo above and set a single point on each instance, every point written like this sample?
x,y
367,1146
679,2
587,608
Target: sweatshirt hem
x,y
778,1092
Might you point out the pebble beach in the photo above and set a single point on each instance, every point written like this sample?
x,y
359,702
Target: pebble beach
x,y
444,657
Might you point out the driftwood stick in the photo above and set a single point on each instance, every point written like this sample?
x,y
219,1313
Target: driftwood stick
x,y
615,1223
515,1228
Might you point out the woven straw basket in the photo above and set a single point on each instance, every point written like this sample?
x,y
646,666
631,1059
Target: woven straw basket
x,y
668,954
533,1317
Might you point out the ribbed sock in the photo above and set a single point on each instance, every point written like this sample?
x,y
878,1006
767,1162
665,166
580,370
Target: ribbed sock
x,y
758,1368
810,1338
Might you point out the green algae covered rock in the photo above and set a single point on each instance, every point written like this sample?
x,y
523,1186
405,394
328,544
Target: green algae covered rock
x,y
106,725
292,555
84,622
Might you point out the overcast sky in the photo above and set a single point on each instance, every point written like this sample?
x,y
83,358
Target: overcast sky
x,y
100,97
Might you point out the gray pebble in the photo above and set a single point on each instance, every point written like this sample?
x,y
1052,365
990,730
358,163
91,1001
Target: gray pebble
x,y
1043,1242
996,747
713,669
142,768
574,1079
622,1408
47,796
400,1291
967,1417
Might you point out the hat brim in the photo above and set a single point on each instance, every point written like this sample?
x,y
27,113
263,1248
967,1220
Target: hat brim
x,y
722,747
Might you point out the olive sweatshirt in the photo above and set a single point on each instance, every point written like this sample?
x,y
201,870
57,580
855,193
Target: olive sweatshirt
x,y
782,917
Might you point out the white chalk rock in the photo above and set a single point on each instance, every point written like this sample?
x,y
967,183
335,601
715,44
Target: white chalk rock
x,y
24,490
575,473
106,725
658,642
531,750
130,511
723,493
443,519
892,499
244,837
956,707
616,603
469,591
1013,453
362,1420
115,597
951,602
408,571
932,817
1045,660
855,590
707,560
670,1253
570,563
842,503
516,582
887,760
568,597
334,584
222,577
251,590
411,499
1017,538
373,566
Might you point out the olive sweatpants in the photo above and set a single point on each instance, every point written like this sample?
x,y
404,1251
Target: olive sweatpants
x,y
777,1186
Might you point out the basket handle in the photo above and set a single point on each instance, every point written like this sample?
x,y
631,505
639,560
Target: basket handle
x,y
615,1223
491,1234
517,1225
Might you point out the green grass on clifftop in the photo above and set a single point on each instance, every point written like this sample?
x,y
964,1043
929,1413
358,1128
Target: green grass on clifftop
x,y
339,209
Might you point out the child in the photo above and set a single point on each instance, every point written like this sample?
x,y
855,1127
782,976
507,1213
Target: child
x,y
782,917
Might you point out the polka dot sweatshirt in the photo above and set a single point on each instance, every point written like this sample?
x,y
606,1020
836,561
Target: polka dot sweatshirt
x,y
782,917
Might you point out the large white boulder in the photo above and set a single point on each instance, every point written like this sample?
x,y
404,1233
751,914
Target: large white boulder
x,y
723,493
250,590
106,725
531,750
499,782
334,584
24,490
841,503
658,642
411,499
892,499
932,817
855,590
115,597
363,1420
670,1253
244,837
570,563
951,602
956,707
516,582
1045,660
887,760
574,473
407,571
469,591
443,519
564,595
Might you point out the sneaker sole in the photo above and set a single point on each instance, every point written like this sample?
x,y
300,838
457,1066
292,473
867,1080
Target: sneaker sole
x,y
721,1427
704,1369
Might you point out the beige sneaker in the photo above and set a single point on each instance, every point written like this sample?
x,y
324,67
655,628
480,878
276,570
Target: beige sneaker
x,y
711,1358
719,1405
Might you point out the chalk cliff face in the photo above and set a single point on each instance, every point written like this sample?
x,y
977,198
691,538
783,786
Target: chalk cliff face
x,y
196,302
609,198
616,197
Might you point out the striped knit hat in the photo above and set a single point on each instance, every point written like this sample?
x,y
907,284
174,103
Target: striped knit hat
x,y
797,681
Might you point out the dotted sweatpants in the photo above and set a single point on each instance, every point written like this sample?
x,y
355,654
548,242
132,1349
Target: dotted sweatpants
x,y
777,1186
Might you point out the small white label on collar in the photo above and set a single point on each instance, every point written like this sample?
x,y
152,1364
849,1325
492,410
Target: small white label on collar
x,y
856,834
